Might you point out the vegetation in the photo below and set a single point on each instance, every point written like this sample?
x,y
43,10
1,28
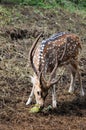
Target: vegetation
x,y
8,16
49,3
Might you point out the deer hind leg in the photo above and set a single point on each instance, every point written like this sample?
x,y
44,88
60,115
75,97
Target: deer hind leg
x,y
54,102
72,82
30,97
80,82
75,70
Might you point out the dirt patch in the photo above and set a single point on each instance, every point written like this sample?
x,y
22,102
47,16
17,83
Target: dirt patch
x,y
15,85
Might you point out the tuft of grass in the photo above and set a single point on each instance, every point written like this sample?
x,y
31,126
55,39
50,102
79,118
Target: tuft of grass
x,y
9,16
4,16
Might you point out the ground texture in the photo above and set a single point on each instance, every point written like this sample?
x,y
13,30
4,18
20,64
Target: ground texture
x,y
16,38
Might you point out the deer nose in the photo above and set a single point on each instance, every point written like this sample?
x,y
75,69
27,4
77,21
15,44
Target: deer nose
x,y
41,105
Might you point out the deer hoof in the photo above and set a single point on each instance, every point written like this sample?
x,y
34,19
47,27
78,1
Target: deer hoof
x,y
29,101
71,90
82,93
54,104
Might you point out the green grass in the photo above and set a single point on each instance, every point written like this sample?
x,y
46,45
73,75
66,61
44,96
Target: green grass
x,y
51,4
8,15
65,4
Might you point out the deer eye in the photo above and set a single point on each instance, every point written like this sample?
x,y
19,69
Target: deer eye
x,y
38,92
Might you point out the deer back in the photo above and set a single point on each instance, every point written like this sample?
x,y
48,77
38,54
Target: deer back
x,y
64,46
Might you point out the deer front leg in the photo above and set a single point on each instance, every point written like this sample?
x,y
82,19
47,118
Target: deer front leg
x,y
54,102
30,97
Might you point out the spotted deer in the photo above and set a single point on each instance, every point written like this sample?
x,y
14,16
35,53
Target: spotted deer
x,y
61,49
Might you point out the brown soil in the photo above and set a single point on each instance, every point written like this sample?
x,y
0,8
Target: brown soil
x,y
15,83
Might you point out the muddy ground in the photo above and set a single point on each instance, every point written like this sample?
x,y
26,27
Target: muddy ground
x,y
16,38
